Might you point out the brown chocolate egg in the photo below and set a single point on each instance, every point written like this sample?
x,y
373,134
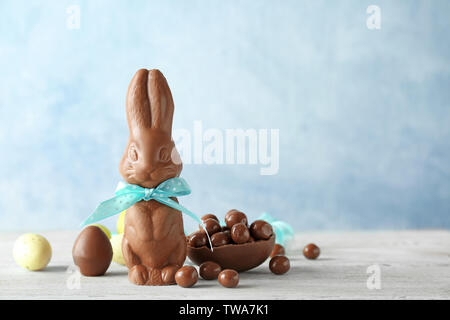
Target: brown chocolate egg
x,y
212,226
92,251
278,250
209,270
234,216
186,276
228,278
240,233
239,257
209,216
311,251
261,230
197,239
279,264
220,239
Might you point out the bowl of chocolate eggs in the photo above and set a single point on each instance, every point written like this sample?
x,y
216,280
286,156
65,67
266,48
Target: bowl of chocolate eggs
x,y
237,245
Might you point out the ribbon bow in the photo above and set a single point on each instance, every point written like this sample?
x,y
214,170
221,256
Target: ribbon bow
x,y
128,194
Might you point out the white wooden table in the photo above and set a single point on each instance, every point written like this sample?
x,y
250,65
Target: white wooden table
x,y
412,265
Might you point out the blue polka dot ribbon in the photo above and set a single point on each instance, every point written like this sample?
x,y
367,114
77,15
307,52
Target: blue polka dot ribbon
x,y
283,231
127,195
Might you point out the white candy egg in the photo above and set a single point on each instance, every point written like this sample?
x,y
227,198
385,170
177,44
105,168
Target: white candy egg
x,y
116,243
32,251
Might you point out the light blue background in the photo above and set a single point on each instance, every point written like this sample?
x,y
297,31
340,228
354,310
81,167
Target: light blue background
x,y
363,114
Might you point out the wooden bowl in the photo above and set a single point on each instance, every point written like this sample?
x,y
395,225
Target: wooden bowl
x,y
239,257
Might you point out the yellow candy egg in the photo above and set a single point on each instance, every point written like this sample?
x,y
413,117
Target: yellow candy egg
x,y
32,251
104,229
121,221
116,243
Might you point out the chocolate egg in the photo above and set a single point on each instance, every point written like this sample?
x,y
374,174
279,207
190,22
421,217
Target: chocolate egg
x,y
239,257
311,251
240,233
234,216
197,239
212,226
186,276
261,230
92,251
209,270
278,250
279,265
220,239
228,278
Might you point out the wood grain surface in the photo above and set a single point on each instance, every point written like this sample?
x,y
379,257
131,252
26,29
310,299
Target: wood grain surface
x,y
411,264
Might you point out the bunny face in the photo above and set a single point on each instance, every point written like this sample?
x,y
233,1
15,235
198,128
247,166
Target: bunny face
x,y
150,159
150,156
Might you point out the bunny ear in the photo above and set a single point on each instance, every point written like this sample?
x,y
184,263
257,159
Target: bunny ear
x,y
138,104
161,102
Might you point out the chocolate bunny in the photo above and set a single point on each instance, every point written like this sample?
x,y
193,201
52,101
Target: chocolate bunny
x,y
154,243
